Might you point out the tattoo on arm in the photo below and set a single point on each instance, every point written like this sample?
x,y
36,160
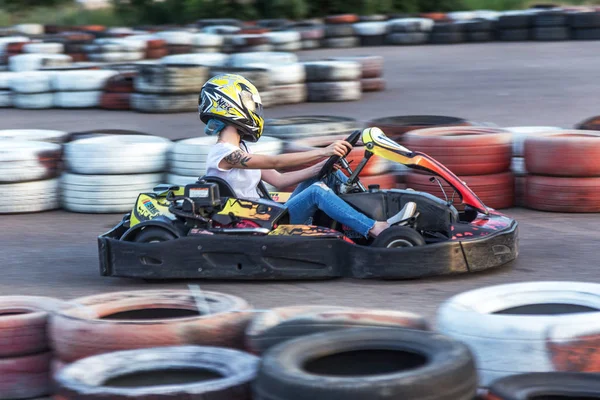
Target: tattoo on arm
x,y
238,157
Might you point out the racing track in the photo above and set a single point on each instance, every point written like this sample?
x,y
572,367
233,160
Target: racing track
x,y
55,253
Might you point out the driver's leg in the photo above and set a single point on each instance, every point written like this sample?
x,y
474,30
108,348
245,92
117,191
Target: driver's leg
x,y
332,180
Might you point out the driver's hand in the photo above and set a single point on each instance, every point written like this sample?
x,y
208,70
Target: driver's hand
x,y
338,148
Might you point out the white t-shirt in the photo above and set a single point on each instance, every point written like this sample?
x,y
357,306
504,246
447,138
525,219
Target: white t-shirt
x,y
242,181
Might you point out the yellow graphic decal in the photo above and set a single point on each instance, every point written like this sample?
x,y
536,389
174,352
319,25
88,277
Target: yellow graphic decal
x,y
247,209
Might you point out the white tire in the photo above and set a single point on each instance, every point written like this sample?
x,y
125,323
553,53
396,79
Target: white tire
x,y
410,25
6,99
181,180
155,103
207,59
32,62
109,182
283,37
517,166
30,29
370,28
5,78
39,135
82,80
116,56
125,44
332,71
309,126
22,160
244,59
283,74
291,94
176,37
221,29
311,44
30,196
87,99
118,154
341,42
34,101
207,40
268,98
44,48
520,133
334,91
500,324
291,46
32,82
207,50
171,79
11,39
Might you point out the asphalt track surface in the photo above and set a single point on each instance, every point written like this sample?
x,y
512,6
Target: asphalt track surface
x,y
55,253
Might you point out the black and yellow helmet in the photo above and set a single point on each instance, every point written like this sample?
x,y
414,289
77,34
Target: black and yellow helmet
x,y
234,100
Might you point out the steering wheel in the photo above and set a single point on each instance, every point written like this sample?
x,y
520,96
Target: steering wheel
x,y
328,167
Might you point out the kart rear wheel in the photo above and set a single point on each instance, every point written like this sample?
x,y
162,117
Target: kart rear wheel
x,y
153,235
397,237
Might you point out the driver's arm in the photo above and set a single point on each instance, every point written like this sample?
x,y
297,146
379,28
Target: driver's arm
x,y
241,159
292,178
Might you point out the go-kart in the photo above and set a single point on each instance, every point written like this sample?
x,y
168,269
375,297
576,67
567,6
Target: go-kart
x,y
201,230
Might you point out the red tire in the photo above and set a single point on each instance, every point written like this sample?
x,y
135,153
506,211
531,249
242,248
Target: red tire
x,y
342,19
154,54
180,48
495,190
122,83
464,150
156,44
396,127
148,318
78,57
115,101
15,47
372,84
23,324
253,31
573,153
25,377
561,194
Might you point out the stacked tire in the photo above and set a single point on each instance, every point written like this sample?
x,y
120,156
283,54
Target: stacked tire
x,y
116,50
25,350
207,43
80,89
563,172
5,92
187,158
285,40
178,42
447,33
117,91
339,31
371,33
32,90
311,35
333,81
106,173
34,62
550,26
585,25
479,156
514,26
166,88
479,30
408,31
371,79
74,43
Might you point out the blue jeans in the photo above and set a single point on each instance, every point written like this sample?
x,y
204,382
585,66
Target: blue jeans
x,y
311,195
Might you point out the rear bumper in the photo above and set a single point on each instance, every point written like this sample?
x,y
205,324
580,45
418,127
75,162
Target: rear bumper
x,y
289,257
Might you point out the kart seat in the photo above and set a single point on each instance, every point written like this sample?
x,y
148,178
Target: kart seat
x,y
226,190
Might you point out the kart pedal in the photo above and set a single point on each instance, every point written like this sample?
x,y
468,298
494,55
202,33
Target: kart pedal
x,y
407,212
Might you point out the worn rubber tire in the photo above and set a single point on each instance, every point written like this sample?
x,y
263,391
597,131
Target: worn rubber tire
x,y
406,38
408,236
334,91
123,82
290,94
24,197
562,194
23,161
551,33
156,103
235,371
550,18
514,35
284,323
35,101
513,319
87,99
341,42
166,79
464,150
371,66
567,385
39,135
25,377
69,330
115,101
495,190
23,324
372,85
578,149
584,20
514,21
448,373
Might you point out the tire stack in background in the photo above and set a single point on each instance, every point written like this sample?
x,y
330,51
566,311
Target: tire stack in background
x,y
207,43
32,90
187,158
371,79
311,35
514,26
333,81
285,40
116,50
447,33
479,156
168,88
550,26
178,42
106,173
479,30
408,31
74,43
30,163
585,25
5,92
25,349
80,89
118,90
339,31
371,33
519,134
563,171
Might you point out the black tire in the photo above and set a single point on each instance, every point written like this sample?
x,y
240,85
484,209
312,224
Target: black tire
x,y
513,35
480,36
584,20
339,30
586,34
371,41
214,372
407,38
572,385
519,21
398,236
153,234
550,18
447,27
479,25
446,37
374,364
551,33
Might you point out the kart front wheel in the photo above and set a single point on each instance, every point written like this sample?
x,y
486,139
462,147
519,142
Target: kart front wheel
x,y
398,236
153,235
